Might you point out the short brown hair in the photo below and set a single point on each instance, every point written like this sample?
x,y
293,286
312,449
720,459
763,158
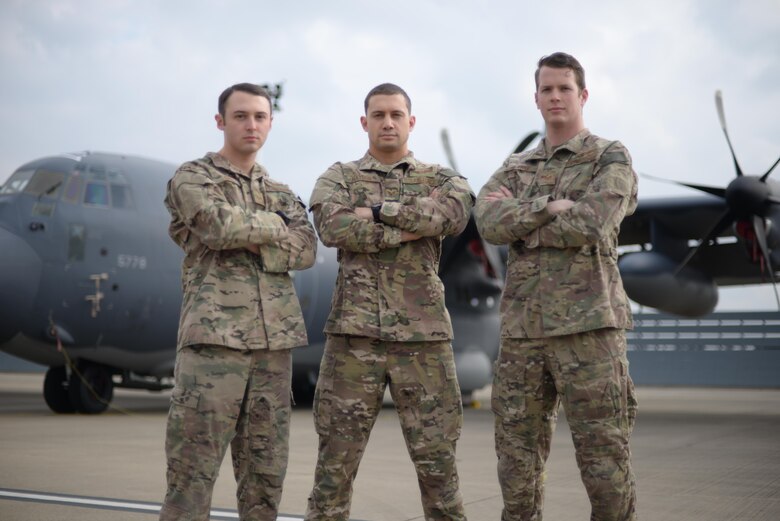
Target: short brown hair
x,y
388,89
249,88
561,60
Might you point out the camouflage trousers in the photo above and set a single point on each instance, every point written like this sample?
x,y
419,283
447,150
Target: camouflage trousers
x,y
588,372
354,373
224,397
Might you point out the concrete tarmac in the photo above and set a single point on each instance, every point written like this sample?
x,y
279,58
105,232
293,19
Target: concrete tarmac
x,y
698,454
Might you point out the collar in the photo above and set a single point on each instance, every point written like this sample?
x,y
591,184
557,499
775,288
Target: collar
x,y
370,163
221,162
573,145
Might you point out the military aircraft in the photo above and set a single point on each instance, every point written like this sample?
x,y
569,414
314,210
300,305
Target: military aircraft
x,y
737,234
90,283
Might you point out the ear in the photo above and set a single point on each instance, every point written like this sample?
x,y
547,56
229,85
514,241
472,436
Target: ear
x,y
583,97
412,121
536,100
364,123
220,121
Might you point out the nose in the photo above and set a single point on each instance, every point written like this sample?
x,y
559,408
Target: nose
x,y
20,275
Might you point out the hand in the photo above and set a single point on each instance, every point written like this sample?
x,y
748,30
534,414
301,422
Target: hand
x,y
409,236
502,193
364,213
559,205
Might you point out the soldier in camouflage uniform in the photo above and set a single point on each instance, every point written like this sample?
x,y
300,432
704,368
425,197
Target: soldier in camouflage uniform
x,y
242,233
387,214
563,311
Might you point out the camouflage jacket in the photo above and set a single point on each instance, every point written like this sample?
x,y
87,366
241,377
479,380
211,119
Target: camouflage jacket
x,y
387,289
233,297
562,274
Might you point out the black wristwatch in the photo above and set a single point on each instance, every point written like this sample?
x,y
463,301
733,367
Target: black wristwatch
x,y
375,211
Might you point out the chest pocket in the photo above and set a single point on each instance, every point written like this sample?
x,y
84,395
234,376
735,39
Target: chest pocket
x,y
576,178
415,186
232,191
272,197
525,185
365,188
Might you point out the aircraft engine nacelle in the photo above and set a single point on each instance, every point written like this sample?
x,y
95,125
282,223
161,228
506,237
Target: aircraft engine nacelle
x,y
649,280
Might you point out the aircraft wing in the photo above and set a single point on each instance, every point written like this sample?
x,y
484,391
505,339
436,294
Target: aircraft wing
x,y
668,224
680,217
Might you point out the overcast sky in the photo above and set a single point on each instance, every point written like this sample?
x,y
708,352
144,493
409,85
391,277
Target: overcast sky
x,y
142,77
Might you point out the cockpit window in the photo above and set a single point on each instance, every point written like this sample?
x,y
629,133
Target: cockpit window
x,y
121,196
46,183
96,194
17,182
107,187
89,184
73,189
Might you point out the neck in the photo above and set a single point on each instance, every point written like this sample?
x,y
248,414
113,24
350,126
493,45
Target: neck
x,y
388,158
241,161
557,136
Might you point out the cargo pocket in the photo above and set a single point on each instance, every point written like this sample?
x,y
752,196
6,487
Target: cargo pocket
x,y
323,395
452,421
269,435
596,391
507,398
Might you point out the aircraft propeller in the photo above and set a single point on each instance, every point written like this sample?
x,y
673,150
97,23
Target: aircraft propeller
x,y
748,199
445,141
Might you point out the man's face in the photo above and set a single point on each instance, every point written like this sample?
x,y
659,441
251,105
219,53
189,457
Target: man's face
x,y
246,123
388,124
559,99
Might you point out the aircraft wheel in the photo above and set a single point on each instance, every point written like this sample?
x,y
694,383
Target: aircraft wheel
x,y
94,397
55,391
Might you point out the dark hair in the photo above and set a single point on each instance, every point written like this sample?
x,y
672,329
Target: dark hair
x,y
388,89
561,60
249,88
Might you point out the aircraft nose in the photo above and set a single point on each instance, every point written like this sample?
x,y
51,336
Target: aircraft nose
x,y
20,275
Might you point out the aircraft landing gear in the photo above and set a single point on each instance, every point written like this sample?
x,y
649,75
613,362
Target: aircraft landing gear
x,y
66,395
55,390
91,392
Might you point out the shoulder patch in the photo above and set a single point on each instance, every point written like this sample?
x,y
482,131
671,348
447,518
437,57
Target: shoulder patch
x,y
615,152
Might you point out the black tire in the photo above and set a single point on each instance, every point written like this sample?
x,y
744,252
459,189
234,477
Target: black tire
x,y
55,391
99,380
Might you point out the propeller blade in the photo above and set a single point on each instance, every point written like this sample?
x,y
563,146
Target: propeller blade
x,y
525,142
445,141
763,177
760,229
720,192
725,220
722,118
